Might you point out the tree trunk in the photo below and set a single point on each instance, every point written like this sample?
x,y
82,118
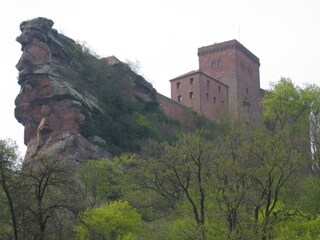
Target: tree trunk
x,y
10,204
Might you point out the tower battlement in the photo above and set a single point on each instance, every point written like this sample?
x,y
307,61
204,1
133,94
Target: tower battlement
x,y
219,47
228,80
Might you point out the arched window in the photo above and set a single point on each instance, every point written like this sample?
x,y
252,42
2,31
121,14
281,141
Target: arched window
x,y
214,64
217,63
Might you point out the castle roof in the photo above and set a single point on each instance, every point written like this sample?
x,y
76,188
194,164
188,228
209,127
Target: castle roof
x,y
184,75
194,72
217,47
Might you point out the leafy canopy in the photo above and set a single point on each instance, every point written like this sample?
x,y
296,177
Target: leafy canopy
x,y
111,221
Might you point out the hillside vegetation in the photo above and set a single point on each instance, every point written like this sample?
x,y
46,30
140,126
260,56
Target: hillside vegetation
x,y
129,110
230,181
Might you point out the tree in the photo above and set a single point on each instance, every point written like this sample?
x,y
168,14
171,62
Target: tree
x,y
310,196
231,174
180,171
111,221
150,172
274,162
101,179
311,98
8,172
283,106
134,65
294,113
298,228
49,191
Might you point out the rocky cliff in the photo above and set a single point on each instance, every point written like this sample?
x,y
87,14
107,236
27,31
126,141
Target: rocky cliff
x,y
76,106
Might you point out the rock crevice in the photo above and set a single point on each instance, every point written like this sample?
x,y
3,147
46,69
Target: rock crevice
x,y
48,106
76,106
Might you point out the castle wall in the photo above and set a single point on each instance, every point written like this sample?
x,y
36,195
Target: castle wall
x,y
249,92
176,111
234,65
202,93
214,97
186,90
219,62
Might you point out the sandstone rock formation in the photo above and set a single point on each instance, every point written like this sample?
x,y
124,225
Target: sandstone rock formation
x,y
75,106
47,105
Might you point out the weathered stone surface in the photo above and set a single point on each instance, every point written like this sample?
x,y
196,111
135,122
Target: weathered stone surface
x,y
47,105
75,106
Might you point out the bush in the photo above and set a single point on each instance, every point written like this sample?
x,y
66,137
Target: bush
x,y
114,221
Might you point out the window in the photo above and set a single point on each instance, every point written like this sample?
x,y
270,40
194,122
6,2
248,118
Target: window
x,y
179,98
214,64
178,84
214,99
190,95
247,90
222,103
207,96
191,81
208,83
217,63
219,88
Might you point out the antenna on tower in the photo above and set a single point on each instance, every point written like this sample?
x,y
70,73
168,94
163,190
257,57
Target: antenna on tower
x,y
239,33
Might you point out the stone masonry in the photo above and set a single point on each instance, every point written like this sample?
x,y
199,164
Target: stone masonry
x,y
227,81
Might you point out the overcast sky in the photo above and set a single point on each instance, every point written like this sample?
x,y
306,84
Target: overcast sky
x,y
164,36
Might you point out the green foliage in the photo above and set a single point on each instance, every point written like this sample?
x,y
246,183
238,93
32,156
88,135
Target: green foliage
x,y
283,104
128,109
311,98
296,112
113,221
299,228
8,183
9,156
183,229
310,196
49,189
156,230
233,183
124,121
291,109
240,177
183,225
103,180
276,163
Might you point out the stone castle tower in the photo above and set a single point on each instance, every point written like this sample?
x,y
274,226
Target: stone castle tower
x,y
227,81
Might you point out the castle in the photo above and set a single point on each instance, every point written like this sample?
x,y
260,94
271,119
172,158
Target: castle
x,y
227,81
76,106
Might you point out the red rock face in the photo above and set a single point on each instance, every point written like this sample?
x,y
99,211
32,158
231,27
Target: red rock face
x,y
47,106
39,111
65,99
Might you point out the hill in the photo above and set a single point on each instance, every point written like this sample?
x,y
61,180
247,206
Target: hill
x,y
77,106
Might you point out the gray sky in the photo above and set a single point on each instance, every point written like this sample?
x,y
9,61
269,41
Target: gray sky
x,y
164,36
